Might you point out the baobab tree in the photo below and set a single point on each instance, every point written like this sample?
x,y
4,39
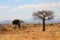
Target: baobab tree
x,y
44,15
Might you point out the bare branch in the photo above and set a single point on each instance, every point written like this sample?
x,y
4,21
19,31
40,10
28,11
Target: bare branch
x,y
38,15
44,14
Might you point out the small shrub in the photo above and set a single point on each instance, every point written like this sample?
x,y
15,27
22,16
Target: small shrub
x,y
14,27
51,24
4,29
24,27
34,25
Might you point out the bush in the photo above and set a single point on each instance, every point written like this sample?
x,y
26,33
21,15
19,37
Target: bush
x,y
3,28
51,24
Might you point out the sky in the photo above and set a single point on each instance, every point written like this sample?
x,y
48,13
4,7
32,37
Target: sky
x,y
23,9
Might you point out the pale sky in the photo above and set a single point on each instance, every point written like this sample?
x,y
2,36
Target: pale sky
x,y
23,9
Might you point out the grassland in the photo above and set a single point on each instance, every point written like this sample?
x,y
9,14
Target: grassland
x,y
30,32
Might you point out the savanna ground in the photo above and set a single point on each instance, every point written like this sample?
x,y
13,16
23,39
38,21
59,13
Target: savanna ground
x,y
30,32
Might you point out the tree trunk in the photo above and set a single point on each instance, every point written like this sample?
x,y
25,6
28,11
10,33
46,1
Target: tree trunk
x,y
43,24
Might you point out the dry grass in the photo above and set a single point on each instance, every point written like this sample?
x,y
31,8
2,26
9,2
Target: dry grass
x,y
31,32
